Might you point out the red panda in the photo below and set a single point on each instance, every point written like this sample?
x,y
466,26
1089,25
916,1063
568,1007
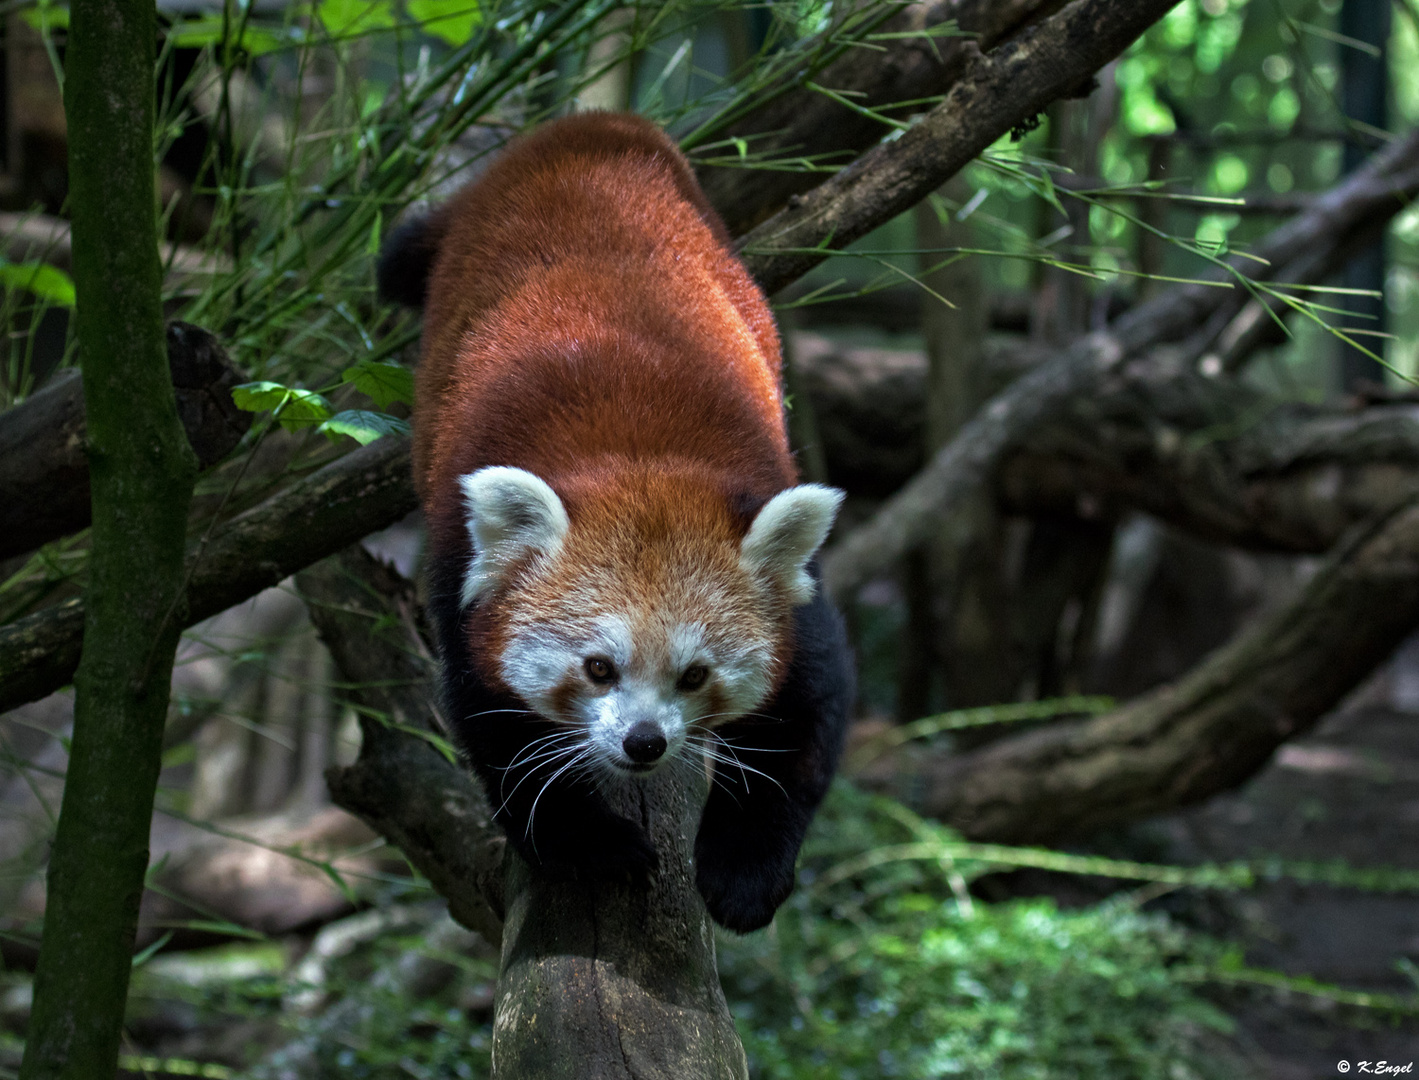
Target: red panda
x,y
622,563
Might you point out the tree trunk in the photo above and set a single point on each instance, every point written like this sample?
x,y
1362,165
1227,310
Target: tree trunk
x,y
141,472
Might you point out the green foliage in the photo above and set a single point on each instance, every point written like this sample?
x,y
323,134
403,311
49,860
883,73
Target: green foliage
x,y
363,426
453,21
897,971
382,381
47,282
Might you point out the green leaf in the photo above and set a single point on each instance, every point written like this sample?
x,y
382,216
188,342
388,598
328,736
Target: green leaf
x,y
452,20
259,396
147,954
346,18
363,426
47,282
208,29
303,409
46,16
382,380
295,408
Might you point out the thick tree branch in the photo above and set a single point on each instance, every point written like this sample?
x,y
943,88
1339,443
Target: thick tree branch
x,y
805,123
362,492
1204,734
1333,224
994,93
44,468
1213,456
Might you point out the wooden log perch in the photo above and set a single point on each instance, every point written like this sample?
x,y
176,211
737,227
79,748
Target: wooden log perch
x,y
598,979
1205,733
44,468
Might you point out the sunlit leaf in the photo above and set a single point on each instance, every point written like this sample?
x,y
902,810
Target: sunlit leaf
x,y
345,18
209,30
295,408
452,20
363,426
45,281
258,396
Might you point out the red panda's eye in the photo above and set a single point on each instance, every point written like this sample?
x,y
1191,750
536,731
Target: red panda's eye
x,y
600,670
694,677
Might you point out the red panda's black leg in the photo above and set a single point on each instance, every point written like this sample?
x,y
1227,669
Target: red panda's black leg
x,y
559,824
753,824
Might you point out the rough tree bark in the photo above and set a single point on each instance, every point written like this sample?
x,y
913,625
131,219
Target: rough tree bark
x,y
142,472
597,980
44,471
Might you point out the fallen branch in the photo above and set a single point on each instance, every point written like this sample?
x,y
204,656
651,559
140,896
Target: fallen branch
x,y
1213,456
1203,734
402,787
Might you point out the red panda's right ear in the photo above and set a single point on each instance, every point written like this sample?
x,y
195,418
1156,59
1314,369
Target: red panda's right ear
x,y
511,514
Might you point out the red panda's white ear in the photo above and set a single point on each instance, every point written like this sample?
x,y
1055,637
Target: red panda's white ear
x,y
786,533
511,514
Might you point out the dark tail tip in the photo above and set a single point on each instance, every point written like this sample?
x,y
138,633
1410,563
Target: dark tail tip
x,y
405,259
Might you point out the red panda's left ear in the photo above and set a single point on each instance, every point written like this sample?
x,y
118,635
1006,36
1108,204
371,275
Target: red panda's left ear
x,y
511,514
786,534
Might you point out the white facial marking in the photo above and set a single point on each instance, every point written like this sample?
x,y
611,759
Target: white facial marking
x,y
511,514
786,534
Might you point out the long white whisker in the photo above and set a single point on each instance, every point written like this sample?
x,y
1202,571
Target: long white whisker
x,y
491,712
733,759
521,780
698,767
531,747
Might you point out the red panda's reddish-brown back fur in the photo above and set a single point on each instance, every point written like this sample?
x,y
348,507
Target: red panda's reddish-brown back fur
x,y
620,560
585,311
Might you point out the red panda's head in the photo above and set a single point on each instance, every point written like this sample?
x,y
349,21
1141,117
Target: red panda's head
x,y
639,613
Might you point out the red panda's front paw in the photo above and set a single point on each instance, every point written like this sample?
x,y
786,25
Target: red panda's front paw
x,y
742,898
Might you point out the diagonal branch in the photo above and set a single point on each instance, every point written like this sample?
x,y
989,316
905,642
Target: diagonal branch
x,y
1334,222
903,63
360,493
1205,733
996,92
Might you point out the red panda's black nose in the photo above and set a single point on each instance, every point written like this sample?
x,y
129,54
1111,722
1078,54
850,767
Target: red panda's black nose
x,y
644,743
